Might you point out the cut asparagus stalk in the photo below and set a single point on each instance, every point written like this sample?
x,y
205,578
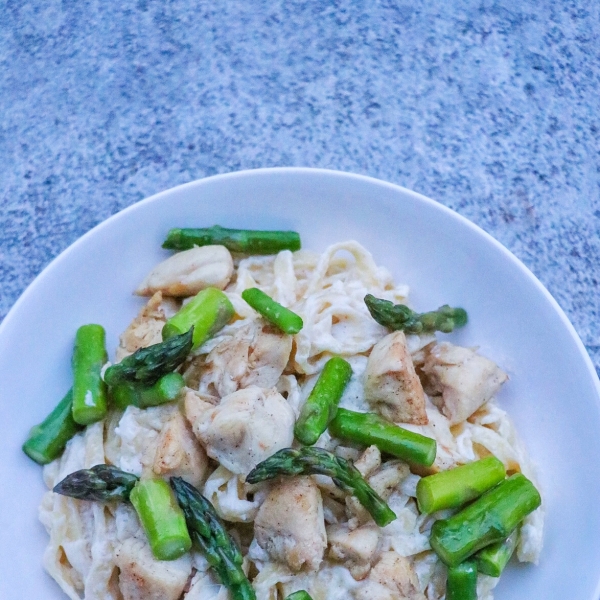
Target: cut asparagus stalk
x,y
316,461
462,582
370,429
489,519
148,365
399,316
210,535
453,488
162,518
102,483
208,312
300,595
47,440
166,389
493,558
322,403
245,241
89,390
283,318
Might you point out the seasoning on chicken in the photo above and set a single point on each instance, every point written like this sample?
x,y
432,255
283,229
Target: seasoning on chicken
x,y
178,453
290,524
247,427
356,549
464,379
256,355
143,577
392,578
186,273
146,329
391,384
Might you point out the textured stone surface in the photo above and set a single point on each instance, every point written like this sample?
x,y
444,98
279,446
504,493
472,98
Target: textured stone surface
x,y
492,108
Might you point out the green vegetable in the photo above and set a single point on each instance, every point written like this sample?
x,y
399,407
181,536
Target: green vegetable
x,y
244,241
208,312
301,595
47,440
148,365
370,429
450,489
210,535
166,389
493,558
102,483
89,391
283,318
489,519
162,518
462,582
321,405
316,461
399,316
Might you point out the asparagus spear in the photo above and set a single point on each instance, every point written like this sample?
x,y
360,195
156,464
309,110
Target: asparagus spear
x,y
490,519
245,241
493,558
456,487
301,595
148,365
89,391
208,312
462,582
399,316
47,440
209,533
370,429
166,389
316,461
321,405
101,483
153,500
283,318
162,518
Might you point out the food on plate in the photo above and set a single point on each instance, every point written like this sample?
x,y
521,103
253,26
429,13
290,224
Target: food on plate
x,y
277,424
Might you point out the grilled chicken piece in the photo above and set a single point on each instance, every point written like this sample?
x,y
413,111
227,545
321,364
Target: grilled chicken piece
x,y
464,379
178,453
391,384
146,328
357,549
290,526
383,480
188,272
257,354
244,429
392,578
143,577
369,461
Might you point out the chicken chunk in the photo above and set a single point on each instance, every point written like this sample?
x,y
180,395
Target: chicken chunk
x,y
462,379
143,577
384,480
257,354
245,428
178,453
357,548
392,578
391,383
369,461
290,526
188,272
146,328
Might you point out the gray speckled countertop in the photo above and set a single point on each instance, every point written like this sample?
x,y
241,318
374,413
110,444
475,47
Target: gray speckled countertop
x,y
489,108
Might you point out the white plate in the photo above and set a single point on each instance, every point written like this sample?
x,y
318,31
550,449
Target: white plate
x,y
553,393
